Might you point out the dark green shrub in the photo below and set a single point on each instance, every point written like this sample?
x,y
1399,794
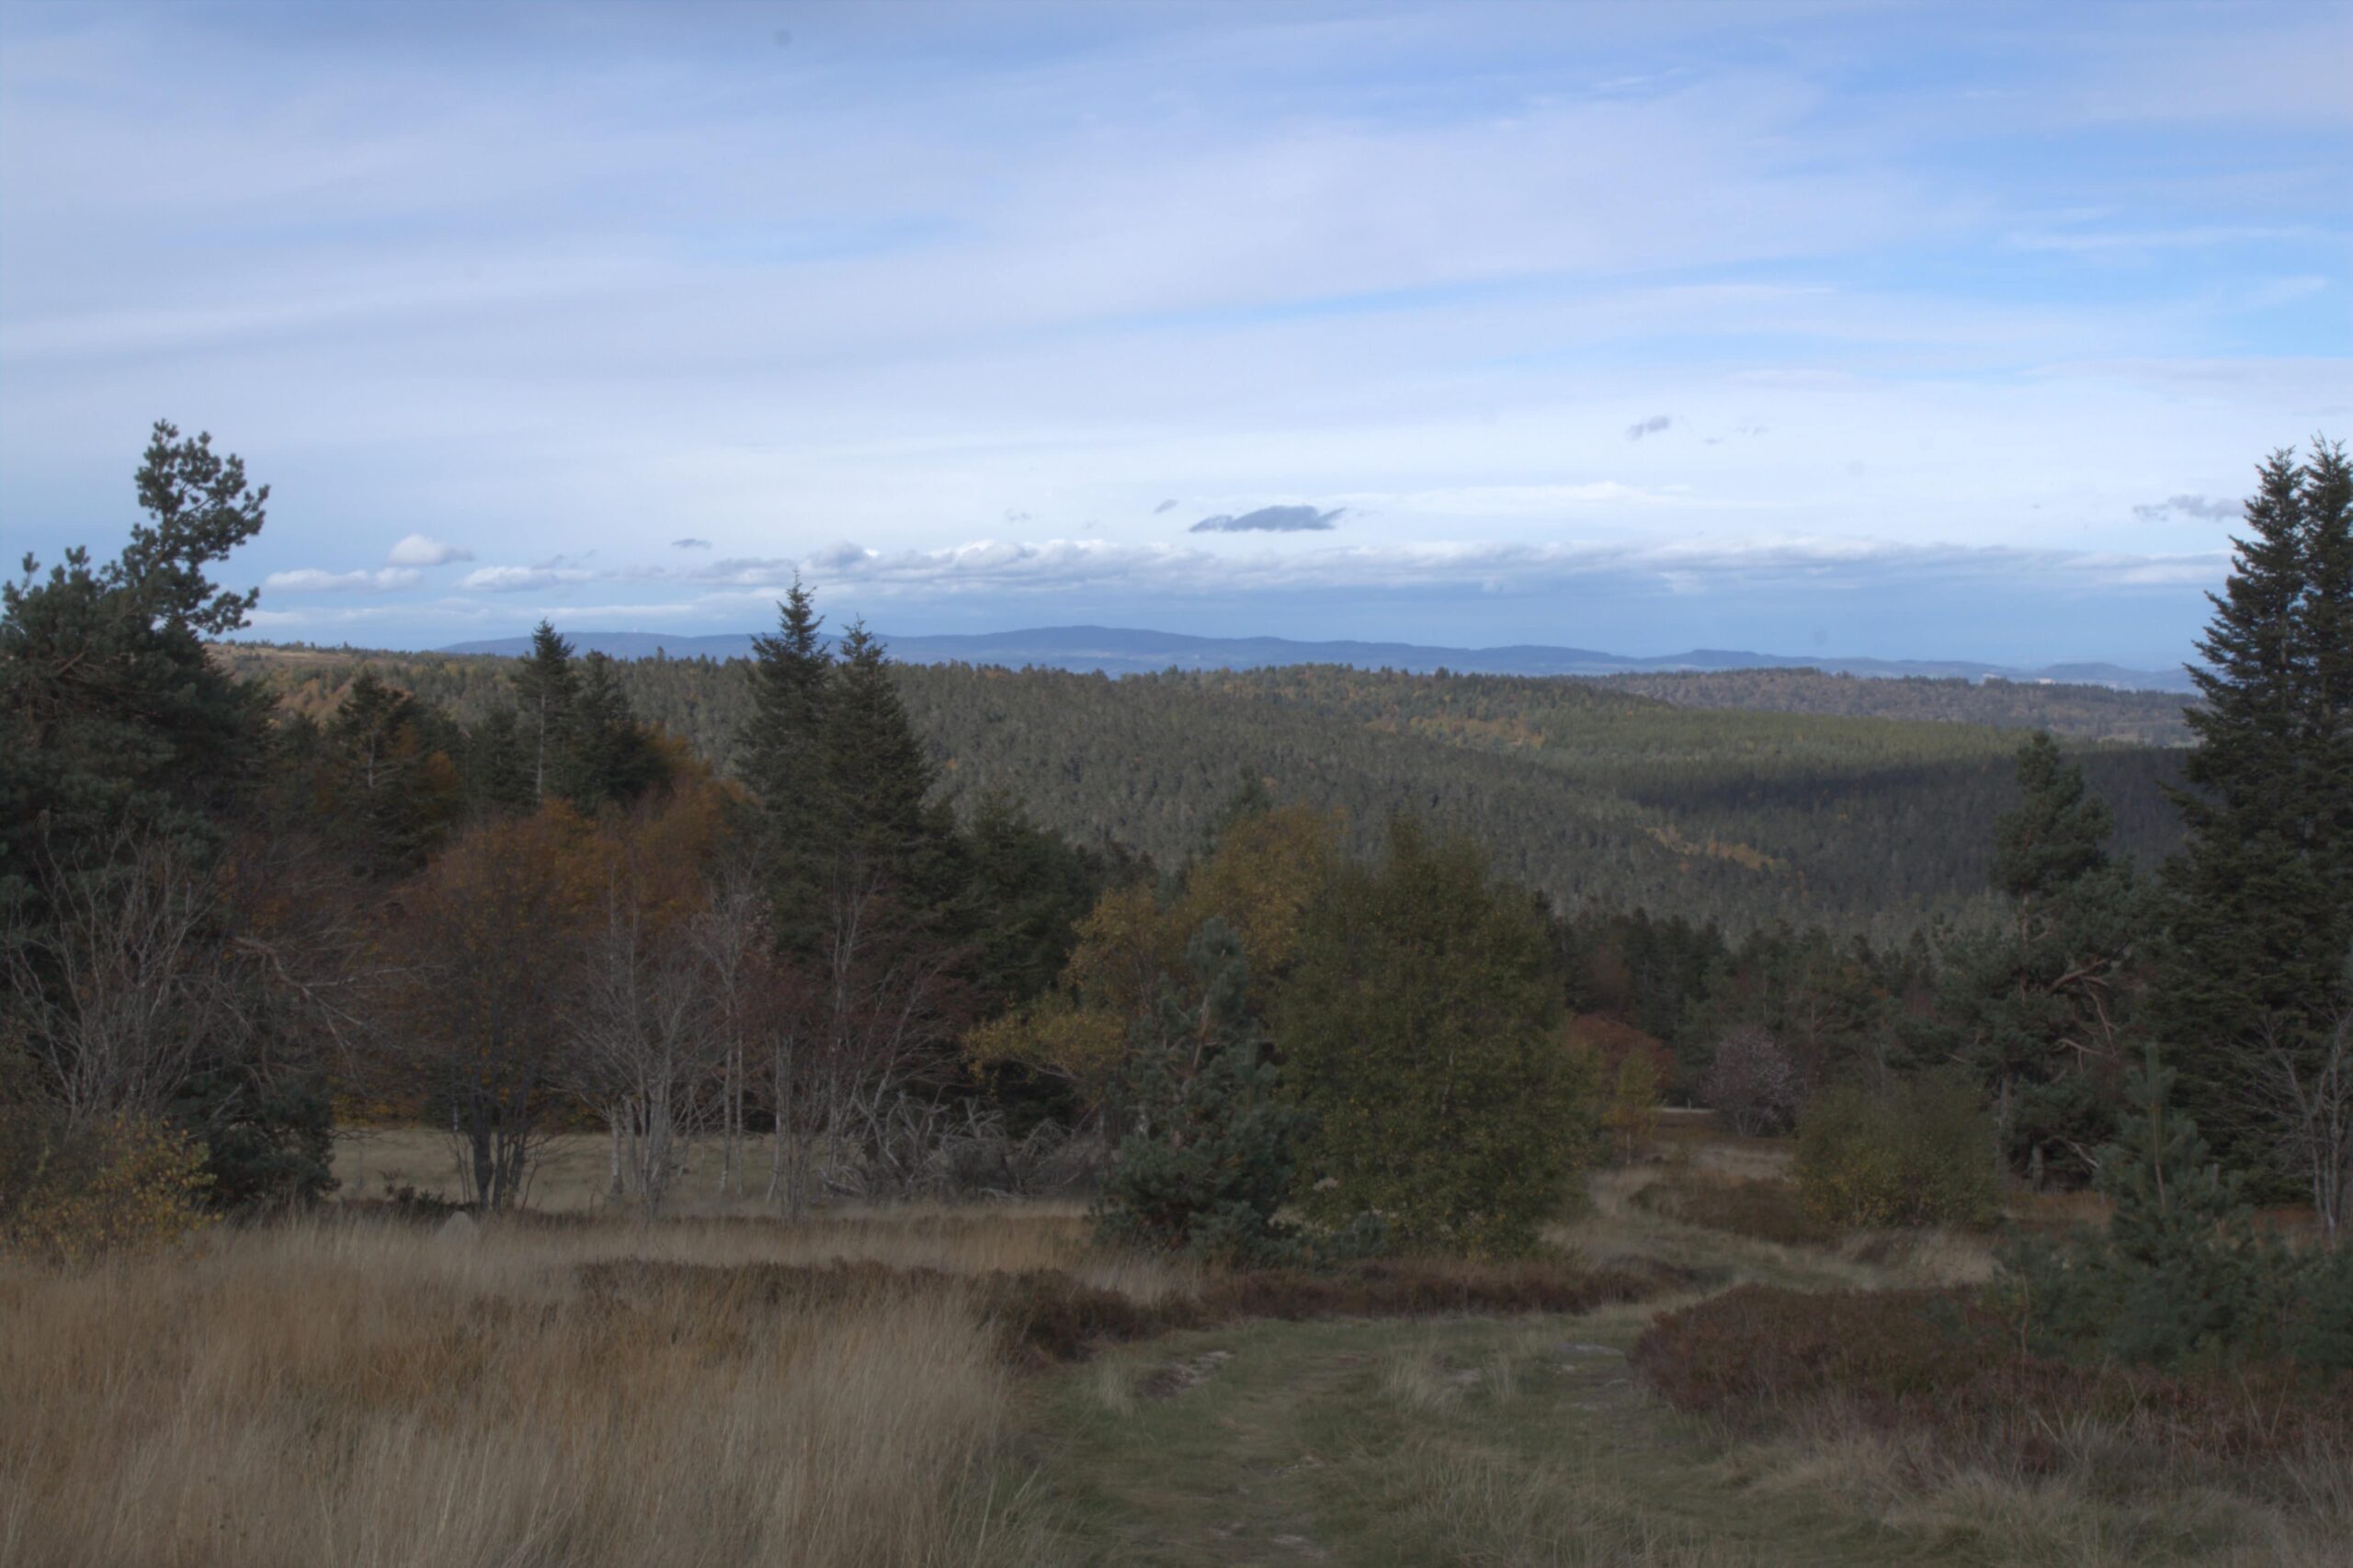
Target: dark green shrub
x,y
1419,1027
1920,1155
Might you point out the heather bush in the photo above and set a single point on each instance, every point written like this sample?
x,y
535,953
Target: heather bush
x,y
1937,1361
1919,1155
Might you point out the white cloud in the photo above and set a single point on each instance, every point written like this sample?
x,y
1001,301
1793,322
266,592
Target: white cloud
x,y
310,580
417,550
517,579
1688,564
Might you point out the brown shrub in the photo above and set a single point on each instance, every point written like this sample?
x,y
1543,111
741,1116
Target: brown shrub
x,y
1043,1315
1927,1360
1424,1288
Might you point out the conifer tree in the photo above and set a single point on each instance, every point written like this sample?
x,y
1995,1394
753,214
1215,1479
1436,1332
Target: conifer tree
x,y
1213,1145
2040,1003
783,745
113,718
497,769
545,688
2181,1275
390,792
2260,908
880,782
607,757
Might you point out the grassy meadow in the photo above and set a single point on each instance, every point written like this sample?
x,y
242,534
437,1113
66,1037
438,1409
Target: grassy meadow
x,y
928,1384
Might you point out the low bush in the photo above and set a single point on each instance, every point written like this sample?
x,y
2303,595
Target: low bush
x,y
1762,1211
1920,1155
68,1195
1935,1362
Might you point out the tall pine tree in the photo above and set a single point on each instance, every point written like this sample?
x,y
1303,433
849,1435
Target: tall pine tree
x,y
783,743
2259,915
114,718
545,689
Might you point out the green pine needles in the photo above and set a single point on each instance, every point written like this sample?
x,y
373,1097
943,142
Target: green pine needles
x,y
1215,1146
2184,1277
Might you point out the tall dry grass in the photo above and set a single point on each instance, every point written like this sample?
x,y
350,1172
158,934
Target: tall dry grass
x,y
384,1397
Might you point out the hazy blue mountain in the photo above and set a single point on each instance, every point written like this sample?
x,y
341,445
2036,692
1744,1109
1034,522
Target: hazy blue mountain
x,y
1122,651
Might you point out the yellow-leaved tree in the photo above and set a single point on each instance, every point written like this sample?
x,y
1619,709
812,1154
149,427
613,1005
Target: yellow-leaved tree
x,y
1265,871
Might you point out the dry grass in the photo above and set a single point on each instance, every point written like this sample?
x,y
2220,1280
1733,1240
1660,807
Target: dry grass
x,y
526,1391
383,1396
2101,1505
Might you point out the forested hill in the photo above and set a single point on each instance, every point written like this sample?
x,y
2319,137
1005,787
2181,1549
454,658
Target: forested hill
x,y
1580,789
1118,650
2088,713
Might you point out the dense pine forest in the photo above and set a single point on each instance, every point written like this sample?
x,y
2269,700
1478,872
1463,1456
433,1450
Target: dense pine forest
x,y
1585,791
2088,713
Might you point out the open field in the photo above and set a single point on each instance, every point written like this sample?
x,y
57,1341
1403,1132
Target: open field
x,y
571,1174
711,1391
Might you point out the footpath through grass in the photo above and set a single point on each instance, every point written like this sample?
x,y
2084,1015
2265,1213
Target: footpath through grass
x,y
1530,1440
1523,1440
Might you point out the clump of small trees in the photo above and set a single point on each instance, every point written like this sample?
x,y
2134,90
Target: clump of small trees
x,y
1918,1153
1416,1096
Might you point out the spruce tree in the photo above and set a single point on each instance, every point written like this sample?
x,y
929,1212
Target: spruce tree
x,y
783,745
880,783
2181,1275
607,758
2259,907
495,767
389,793
545,689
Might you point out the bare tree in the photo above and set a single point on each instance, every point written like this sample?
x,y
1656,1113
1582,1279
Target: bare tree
x,y
2300,1102
889,1003
650,1041
119,996
1753,1082
730,938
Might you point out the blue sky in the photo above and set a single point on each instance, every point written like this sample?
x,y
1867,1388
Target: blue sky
x,y
1862,329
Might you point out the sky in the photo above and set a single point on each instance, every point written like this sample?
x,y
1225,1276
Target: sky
x,y
1906,331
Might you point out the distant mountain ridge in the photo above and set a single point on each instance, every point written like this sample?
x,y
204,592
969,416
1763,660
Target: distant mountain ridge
x,y
1121,651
